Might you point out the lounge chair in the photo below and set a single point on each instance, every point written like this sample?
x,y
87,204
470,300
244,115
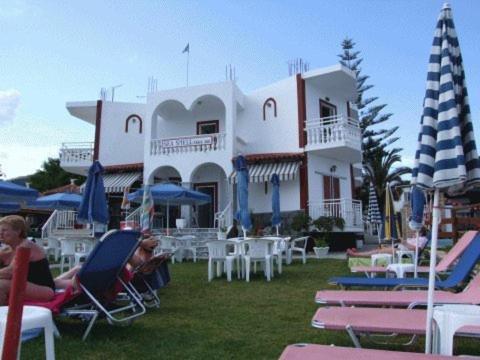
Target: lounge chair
x,y
315,352
357,321
102,277
459,273
447,261
405,298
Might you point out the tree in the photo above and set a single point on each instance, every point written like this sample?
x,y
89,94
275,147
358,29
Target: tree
x,y
52,176
378,159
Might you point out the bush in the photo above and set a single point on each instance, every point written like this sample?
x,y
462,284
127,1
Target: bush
x,y
301,222
325,225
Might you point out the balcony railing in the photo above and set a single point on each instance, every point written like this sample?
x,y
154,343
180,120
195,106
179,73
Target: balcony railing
x,y
76,152
333,131
348,209
188,144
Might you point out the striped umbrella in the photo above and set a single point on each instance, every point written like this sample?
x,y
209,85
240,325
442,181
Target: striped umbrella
x,y
391,228
147,211
446,159
373,214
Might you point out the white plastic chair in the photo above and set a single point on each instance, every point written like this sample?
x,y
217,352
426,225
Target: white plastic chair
x,y
187,245
299,245
168,244
53,247
258,250
67,253
279,247
218,253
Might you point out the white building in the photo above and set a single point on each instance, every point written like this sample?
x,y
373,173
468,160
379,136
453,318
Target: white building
x,y
302,127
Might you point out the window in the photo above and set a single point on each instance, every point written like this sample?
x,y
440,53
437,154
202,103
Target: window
x,y
208,127
331,187
327,109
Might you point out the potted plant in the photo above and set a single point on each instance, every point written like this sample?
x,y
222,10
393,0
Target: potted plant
x,y
301,222
222,233
325,225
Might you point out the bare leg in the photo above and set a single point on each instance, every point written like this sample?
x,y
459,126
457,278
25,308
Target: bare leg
x,y
64,280
32,292
384,250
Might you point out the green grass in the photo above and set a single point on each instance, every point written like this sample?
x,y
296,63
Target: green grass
x,y
217,320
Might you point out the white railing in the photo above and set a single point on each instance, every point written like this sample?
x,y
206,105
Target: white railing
x,y
64,221
135,217
332,130
188,144
76,152
348,209
224,218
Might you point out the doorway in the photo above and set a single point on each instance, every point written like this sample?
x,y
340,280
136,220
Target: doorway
x,y
206,212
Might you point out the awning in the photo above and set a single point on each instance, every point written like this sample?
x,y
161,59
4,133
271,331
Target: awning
x,y
263,172
116,183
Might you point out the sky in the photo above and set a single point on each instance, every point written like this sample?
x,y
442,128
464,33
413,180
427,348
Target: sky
x,y
53,52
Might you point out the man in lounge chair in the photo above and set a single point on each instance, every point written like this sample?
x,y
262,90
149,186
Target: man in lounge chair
x,y
408,244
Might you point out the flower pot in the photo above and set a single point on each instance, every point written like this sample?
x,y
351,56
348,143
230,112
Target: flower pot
x,y
221,235
321,252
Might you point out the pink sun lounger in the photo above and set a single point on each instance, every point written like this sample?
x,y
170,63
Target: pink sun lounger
x,y
377,321
317,352
444,264
404,298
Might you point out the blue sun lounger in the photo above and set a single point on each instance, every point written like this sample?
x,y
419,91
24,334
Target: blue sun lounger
x,y
459,274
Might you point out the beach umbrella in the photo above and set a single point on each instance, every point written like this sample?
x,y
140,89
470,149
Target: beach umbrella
x,y
10,191
373,214
59,201
390,228
446,159
243,216
9,207
147,211
417,204
125,202
171,194
93,207
276,219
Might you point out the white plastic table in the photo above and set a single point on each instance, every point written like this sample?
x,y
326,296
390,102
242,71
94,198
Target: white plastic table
x,y
449,319
400,269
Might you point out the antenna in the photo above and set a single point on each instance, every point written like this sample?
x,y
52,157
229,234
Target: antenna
x,y
297,66
230,73
113,90
103,94
151,85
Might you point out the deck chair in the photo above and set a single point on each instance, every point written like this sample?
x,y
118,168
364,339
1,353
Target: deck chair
x,y
102,277
459,273
405,298
447,261
315,352
359,321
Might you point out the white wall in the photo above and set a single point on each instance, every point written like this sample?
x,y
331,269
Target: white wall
x,y
259,202
319,166
116,146
312,96
278,134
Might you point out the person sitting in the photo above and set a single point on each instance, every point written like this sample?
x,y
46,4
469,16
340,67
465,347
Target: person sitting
x,y
408,244
40,284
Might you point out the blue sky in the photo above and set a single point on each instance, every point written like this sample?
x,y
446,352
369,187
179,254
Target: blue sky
x,y
59,51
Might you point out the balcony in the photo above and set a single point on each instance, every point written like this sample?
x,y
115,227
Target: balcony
x,y
337,137
76,157
188,144
348,209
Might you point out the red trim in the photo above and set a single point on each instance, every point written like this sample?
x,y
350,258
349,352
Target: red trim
x,y
273,157
123,168
265,107
98,124
352,181
196,186
208,122
302,111
348,109
304,185
133,116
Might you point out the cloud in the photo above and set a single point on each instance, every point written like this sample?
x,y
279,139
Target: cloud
x,y
9,101
18,160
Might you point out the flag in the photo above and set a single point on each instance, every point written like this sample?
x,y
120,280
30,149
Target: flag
x,y
187,48
147,211
125,203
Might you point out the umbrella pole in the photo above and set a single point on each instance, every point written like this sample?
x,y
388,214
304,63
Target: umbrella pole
x,y
277,230
168,219
416,256
431,274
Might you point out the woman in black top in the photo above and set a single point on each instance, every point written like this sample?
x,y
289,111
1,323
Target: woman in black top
x,y
40,285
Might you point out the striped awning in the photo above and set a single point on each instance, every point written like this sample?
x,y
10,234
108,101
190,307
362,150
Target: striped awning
x,y
116,183
263,172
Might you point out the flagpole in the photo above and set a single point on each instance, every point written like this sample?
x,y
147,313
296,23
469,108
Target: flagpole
x,y
188,60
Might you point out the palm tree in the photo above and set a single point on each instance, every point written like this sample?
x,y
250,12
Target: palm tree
x,y
380,169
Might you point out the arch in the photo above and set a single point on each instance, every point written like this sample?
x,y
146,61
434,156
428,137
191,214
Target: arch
x,y
268,102
134,117
164,173
206,165
208,100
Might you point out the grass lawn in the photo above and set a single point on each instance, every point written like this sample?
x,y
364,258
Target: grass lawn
x,y
217,320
